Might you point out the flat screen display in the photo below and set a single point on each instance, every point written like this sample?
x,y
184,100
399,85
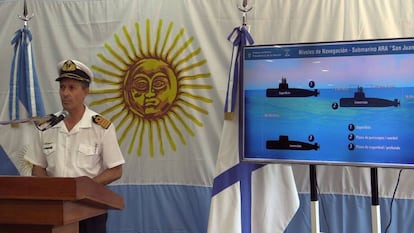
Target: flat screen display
x,y
349,103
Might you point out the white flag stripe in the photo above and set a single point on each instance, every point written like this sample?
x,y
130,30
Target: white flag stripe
x,y
32,100
230,85
225,212
274,198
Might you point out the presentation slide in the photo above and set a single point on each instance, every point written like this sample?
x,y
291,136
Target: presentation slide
x,y
349,103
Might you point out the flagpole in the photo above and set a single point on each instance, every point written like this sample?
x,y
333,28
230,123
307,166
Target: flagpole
x,y
375,206
245,8
240,36
25,17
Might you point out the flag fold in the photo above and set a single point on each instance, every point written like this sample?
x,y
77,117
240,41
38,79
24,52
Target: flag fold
x,y
25,98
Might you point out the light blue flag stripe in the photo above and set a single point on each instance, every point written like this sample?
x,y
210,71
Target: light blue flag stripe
x,y
354,214
160,208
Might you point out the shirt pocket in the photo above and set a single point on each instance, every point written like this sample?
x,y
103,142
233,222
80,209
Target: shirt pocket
x,y
87,156
49,150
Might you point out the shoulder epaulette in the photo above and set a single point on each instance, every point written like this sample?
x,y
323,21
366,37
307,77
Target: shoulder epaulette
x,y
99,120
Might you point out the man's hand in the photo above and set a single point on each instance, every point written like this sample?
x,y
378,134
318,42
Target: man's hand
x,y
38,171
109,175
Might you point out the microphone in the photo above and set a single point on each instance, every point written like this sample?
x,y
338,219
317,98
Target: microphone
x,y
52,121
59,118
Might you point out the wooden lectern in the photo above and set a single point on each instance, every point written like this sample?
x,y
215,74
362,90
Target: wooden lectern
x,y
51,204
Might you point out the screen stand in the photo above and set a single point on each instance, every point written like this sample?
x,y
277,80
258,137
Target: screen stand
x,y
375,207
314,199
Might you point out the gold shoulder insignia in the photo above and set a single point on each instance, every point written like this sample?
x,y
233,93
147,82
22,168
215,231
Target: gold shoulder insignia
x,y
101,121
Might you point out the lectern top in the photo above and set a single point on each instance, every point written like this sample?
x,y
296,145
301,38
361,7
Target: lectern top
x,y
82,189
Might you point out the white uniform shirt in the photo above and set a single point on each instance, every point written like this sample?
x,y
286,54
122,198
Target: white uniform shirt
x,y
87,150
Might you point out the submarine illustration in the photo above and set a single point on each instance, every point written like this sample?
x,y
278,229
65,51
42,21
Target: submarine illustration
x,y
285,144
285,91
359,100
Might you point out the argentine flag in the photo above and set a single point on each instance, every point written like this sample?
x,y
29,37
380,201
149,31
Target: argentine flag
x,y
25,98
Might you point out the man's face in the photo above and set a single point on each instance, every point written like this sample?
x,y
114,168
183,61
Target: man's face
x,y
72,94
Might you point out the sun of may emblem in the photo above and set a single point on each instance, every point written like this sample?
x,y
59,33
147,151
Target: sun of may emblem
x,y
152,88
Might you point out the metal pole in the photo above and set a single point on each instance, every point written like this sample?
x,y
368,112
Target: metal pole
x,y
314,199
375,207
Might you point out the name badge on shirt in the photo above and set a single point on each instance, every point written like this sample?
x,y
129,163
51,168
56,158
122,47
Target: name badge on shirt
x,y
48,147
